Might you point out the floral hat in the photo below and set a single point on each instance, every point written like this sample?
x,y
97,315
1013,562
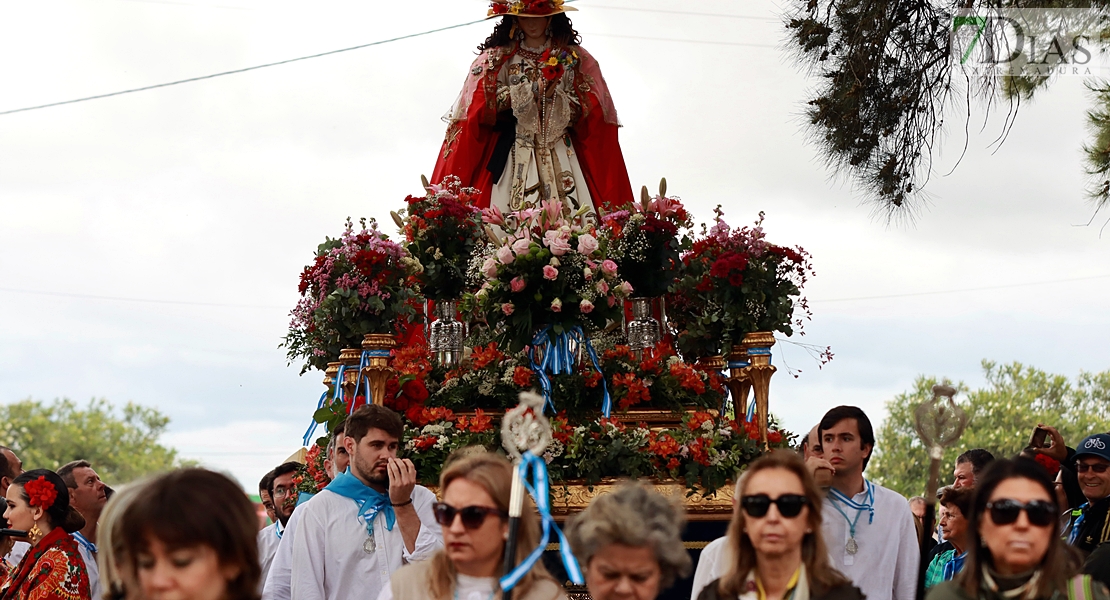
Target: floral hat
x,y
527,8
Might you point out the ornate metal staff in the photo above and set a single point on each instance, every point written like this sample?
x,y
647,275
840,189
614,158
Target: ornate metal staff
x,y
525,434
939,424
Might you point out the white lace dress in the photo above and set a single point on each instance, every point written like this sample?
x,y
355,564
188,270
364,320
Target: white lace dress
x,y
542,164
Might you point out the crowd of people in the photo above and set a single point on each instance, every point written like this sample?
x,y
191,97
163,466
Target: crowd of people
x,y
806,525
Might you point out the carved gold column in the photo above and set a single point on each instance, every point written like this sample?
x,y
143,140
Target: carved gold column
x,y
377,369
329,377
758,346
739,384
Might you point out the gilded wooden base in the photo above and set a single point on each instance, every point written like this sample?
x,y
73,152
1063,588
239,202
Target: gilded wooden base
x,y
571,498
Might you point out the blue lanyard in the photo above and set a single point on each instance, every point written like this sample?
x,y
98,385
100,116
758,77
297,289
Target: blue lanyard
x,y
1074,533
838,498
89,546
278,529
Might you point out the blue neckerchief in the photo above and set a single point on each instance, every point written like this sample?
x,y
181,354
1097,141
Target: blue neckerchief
x,y
370,502
868,505
303,497
953,566
1074,533
278,529
84,541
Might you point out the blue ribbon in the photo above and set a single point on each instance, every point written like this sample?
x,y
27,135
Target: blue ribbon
x,y
761,352
559,360
371,502
534,468
84,541
1074,533
362,364
312,426
868,505
738,364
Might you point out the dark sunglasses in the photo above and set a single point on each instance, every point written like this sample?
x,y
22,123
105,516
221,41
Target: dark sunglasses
x,y
472,516
1097,468
1006,511
790,505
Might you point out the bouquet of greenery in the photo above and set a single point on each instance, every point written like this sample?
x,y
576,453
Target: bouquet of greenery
x,y
551,271
734,282
359,283
441,231
645,241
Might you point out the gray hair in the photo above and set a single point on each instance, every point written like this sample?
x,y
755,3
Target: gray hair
x,y
633,515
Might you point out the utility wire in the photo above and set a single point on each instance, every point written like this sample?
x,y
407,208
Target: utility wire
x,y
659,39
978,289
140,300
237,71
683,12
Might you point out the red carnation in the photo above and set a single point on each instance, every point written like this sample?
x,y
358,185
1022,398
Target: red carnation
x,y
40,492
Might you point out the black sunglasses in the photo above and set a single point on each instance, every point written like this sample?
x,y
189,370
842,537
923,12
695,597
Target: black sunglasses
x,y
472,516
790,505
1039,512
1097,468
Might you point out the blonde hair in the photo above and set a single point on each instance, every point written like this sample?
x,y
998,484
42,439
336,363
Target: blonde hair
x,y
822,576
494,474
117,581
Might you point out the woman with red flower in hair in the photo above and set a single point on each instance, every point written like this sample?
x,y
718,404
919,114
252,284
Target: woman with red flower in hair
x,y
535,120
38,503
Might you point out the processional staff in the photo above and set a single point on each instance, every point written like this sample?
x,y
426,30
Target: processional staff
x,y
525,434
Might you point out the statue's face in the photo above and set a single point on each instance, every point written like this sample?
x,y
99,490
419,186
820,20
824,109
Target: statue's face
x,y
533,27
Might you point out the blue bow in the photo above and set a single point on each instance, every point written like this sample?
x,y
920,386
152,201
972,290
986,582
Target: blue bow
x,y
371,502
534,467
312,425
559,360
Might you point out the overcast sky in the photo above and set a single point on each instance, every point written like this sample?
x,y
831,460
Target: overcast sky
x,y
217,192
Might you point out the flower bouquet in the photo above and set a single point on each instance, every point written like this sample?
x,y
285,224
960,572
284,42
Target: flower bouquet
x,y
312,476
358,284
441,231
734,282
660,380
645,241
550,274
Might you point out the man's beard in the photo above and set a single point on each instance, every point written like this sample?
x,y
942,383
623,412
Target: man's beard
x,y
368,475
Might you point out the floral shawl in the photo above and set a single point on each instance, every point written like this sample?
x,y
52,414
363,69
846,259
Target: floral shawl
x,y
51,570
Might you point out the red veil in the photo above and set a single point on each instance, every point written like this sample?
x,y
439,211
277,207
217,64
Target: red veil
x,y
471,135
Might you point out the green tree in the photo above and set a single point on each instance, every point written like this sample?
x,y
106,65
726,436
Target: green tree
x,y
1002,415
121,445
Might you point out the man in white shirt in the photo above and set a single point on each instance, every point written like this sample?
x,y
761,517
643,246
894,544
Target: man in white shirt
x,y
270,535
368,522
869,530
88,495
278,584
10,468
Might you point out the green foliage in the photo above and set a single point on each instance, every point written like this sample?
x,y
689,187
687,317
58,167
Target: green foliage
x,y
1002,416
121,445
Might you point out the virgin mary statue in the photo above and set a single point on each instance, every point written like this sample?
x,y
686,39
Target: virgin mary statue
x,y
535,120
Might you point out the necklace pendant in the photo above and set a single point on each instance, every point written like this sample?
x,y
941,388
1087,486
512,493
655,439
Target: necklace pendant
x,y
369,546
851,547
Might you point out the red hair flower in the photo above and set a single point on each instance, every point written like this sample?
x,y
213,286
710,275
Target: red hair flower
x,y
40,492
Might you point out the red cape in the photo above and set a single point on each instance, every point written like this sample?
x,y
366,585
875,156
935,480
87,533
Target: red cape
x,y
470,139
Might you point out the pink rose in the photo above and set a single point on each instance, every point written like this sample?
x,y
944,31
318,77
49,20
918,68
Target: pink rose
x,y
602,287
612,301
609,267
587,244
517,284
489,268
508,308
556,305
626,288
522,246
586,307
558,241
550,273
505,255
588,274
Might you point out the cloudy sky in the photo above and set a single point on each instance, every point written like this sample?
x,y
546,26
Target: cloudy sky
x,y
150,243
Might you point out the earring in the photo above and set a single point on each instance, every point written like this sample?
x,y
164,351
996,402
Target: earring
x,y
34,533
513,31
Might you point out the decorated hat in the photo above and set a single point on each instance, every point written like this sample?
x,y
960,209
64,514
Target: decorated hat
x,y
1094,445
527,8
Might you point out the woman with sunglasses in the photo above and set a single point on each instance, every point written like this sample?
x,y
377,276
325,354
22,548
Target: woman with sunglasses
x,y
776,540
1015,550
474,515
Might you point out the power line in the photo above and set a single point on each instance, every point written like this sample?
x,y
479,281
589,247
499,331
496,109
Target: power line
x,y
683,12
140,300
237,71
978,289
659,39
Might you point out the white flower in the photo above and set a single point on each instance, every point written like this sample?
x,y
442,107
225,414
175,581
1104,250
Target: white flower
x,y
442,442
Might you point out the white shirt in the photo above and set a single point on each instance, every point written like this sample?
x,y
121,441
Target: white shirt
x,y
712,564
19,549
886,564
268,538
466,587
279,580
329,562
91,567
